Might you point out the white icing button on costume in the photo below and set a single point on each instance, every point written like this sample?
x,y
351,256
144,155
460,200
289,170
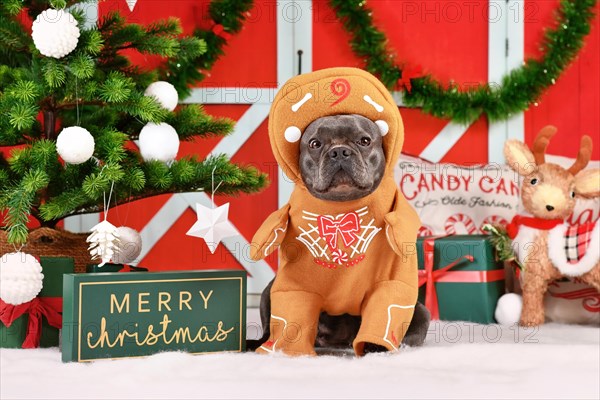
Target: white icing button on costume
x,y
292,134
383,126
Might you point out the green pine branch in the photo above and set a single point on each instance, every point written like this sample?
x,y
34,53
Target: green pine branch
x,y
97,87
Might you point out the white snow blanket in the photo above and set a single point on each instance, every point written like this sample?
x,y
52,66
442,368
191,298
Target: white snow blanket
x,y
460,361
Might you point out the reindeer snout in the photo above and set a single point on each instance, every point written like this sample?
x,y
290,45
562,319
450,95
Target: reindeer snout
x,y
549,208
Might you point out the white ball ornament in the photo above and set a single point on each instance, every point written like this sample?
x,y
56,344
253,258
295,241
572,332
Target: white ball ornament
x,y
164,93
20,278
75,145
55,33
508,309
158,142
129,247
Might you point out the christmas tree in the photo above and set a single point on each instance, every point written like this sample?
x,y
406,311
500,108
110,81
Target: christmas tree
x,y
71,103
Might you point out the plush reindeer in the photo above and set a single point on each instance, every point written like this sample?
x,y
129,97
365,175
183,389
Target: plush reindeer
x,y
547,247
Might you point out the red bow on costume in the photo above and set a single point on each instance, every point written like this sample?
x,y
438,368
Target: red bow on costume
x,y
407,75
512,229
220,31
346,226
49,307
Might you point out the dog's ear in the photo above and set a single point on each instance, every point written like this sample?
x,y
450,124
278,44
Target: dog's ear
x,y
519,158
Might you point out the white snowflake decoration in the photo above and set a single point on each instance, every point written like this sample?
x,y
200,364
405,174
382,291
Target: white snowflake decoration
x,y
55,33
103,240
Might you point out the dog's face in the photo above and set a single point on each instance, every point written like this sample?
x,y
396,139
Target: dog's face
x,y
341,157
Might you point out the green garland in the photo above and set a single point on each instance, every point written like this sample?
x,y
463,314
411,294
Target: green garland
x,y
183,71
518,90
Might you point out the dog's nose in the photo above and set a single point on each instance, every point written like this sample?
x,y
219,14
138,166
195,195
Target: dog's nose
x,y
340,153
549,208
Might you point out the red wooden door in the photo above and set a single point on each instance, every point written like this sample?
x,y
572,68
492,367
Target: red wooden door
x,y
450,40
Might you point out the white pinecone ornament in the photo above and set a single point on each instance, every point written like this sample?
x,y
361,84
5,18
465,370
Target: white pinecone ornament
x,y
55,33
103,240
20,278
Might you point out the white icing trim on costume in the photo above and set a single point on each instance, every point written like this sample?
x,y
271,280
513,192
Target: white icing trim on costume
x,y
282,230
285,323
556,252
387,235
299,104
266,349
369,100
389,322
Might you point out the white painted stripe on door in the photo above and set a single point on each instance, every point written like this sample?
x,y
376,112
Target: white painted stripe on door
x,y
444,141
497,47
244,128
515,29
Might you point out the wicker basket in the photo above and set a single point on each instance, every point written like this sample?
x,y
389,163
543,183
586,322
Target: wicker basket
x,y
48,242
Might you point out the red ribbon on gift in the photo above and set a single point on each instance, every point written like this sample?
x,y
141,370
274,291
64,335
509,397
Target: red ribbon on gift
x,y
429,277
220,31
346,226
49,307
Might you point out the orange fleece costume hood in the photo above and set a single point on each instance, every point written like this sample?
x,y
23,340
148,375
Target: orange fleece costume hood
x,y
356,257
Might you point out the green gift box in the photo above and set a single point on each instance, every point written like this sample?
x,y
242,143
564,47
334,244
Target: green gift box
x,y
53,269
460,278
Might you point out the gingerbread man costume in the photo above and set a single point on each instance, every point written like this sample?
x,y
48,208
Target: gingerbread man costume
x,y
357,257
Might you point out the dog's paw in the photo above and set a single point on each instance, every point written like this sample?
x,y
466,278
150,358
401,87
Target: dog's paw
x,y
374,348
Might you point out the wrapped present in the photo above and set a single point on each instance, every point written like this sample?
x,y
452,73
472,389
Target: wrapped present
x,y
460,278
109,267
37,322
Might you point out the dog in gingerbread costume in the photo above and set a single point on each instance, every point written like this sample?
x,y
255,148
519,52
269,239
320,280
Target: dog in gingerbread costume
x,y
346,238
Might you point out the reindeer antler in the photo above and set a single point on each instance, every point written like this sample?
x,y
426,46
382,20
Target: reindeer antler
x,y
541,142
584,155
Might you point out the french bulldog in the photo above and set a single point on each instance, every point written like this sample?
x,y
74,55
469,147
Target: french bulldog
x,y
341,159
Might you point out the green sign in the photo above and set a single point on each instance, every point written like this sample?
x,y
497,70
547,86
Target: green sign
x,y
117,315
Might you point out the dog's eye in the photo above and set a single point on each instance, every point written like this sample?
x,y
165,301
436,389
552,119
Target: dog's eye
x,y
314,144
572,195
534,181
364,141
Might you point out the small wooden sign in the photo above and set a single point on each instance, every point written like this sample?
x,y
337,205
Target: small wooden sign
x,y
119,315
